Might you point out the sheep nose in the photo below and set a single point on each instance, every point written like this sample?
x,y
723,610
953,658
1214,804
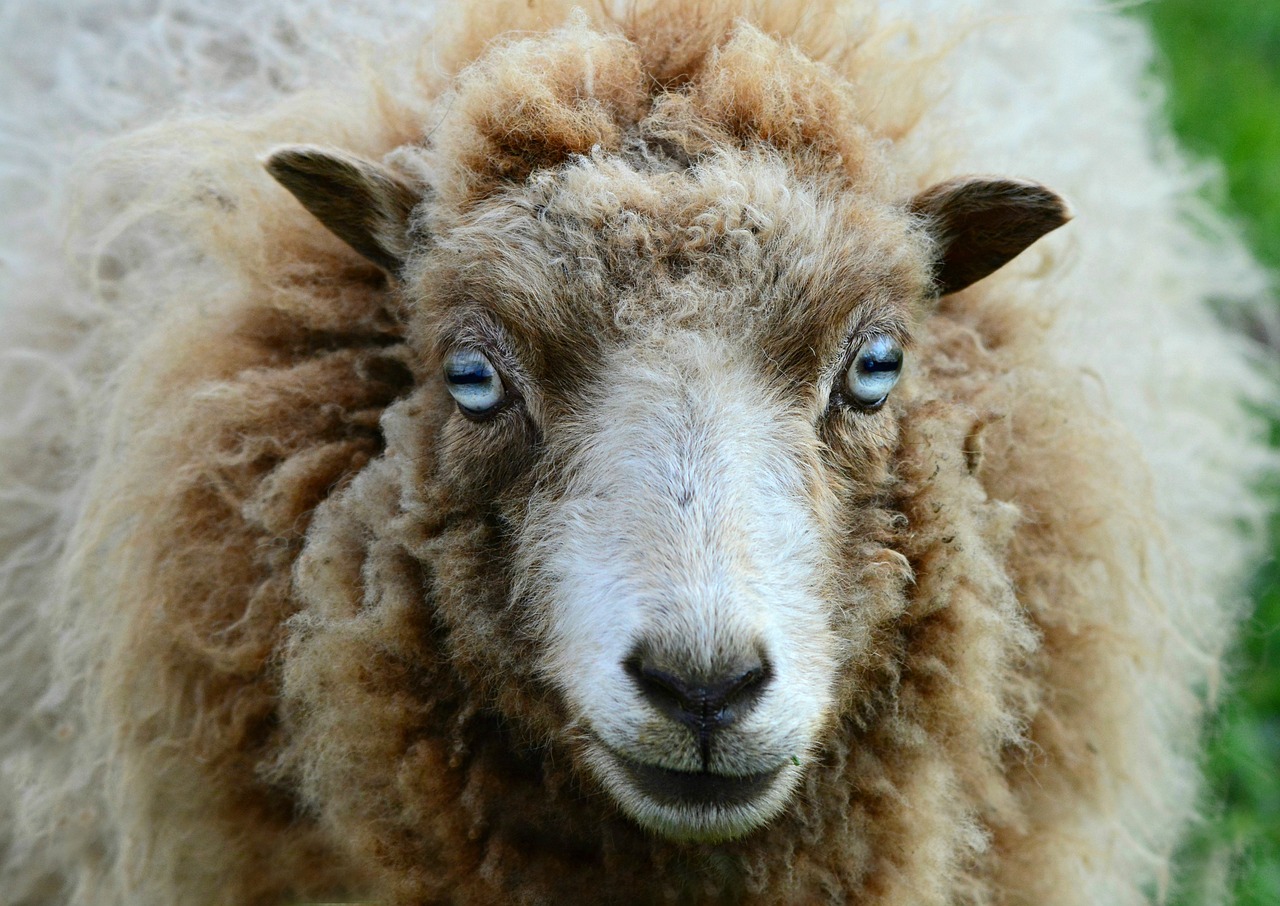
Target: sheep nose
x,y
703,704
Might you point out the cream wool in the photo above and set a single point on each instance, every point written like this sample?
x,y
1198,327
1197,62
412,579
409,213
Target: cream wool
x,y
279,623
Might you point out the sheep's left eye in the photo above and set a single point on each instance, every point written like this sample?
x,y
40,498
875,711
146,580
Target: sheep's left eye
x,y
875,369
473,382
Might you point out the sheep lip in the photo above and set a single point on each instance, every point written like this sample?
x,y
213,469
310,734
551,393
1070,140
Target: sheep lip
x,y
692,806
698,788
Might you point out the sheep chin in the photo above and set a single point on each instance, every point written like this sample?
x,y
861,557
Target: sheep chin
x,y
731,811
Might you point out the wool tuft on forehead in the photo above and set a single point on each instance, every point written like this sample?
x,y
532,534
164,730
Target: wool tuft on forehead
x,y
535,102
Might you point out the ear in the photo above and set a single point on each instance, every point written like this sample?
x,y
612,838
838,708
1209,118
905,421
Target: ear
x,y
981,224
363,203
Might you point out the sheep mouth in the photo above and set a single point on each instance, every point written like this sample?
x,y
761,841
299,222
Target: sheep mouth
x,y
693,806
697,788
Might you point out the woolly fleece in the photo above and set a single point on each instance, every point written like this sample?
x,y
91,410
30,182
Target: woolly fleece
x,y
260,637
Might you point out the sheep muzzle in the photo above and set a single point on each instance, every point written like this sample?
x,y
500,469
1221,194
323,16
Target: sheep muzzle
x,y
681,571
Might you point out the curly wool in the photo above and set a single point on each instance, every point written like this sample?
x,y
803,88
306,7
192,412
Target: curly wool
x,y
245,658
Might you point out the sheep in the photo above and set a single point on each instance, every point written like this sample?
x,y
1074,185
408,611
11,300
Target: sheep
x,y
620,455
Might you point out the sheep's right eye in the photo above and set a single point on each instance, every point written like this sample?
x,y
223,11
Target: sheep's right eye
x,y
473,382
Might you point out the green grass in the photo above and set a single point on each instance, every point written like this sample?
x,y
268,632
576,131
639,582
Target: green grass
x,y
1221,60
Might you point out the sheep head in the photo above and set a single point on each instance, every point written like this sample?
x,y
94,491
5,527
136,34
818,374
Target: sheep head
x,y
657,369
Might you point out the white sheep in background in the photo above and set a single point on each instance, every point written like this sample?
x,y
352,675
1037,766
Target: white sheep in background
x,y
554,526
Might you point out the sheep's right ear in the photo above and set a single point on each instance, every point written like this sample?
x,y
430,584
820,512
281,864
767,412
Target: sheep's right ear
x,y
363,203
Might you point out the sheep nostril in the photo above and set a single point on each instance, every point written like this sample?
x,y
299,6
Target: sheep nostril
x,y
748,684
703,704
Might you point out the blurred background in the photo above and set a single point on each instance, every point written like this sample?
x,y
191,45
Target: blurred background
x,y
1220,63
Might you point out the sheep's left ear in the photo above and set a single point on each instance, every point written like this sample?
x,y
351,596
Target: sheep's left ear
x,y
981,224
363,203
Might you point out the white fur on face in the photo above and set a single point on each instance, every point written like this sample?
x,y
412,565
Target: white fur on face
x,y
689,526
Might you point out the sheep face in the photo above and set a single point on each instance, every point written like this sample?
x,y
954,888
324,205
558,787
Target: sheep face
x,y
696,540
656,424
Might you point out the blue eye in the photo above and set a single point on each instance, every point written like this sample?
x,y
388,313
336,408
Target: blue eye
x,y
875,369
473,382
